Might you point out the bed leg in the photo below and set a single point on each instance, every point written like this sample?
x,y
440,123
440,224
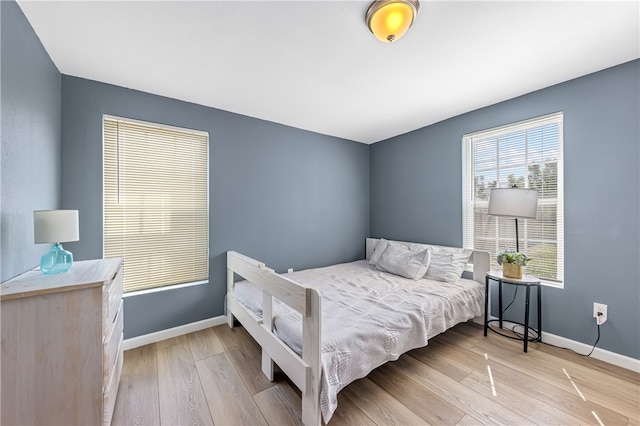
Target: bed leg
x,y
311,354
230,320
311,409
267,365
229,293
267,323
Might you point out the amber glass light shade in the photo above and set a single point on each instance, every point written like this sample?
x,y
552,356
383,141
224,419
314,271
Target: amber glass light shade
x,y
389,20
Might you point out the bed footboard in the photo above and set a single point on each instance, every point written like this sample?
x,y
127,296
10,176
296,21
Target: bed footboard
x,y
305,372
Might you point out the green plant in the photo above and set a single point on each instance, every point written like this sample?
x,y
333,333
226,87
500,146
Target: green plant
x,y
509,256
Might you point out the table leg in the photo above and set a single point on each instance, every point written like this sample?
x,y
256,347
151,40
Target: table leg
x,y
539,313
500,303
526,318
486,304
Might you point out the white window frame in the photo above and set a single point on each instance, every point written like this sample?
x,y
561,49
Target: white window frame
x,y
468,189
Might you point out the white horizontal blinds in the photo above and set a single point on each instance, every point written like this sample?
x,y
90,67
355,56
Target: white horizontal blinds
x,y
528,155
156,203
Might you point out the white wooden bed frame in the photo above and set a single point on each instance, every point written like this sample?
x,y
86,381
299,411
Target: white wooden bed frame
x,y
305,372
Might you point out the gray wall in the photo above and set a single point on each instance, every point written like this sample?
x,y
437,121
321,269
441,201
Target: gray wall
x,y
416,195
285,196
29,140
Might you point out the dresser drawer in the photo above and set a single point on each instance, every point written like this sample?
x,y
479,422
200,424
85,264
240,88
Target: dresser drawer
x,y
111,298
111,392
112,344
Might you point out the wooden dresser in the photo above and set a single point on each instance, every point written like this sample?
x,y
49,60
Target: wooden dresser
x,y
62,345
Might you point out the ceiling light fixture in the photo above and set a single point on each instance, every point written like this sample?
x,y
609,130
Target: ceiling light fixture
x,y
389,20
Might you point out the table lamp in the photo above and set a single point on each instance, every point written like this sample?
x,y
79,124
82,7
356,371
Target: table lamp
x,y
56,226
517,203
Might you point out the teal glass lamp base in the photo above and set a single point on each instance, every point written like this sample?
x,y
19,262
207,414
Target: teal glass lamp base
x,y
56,261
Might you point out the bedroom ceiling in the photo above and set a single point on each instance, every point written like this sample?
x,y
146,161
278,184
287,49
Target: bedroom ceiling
x,y
314,65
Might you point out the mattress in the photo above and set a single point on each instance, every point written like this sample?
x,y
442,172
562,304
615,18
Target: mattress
x,y
369,317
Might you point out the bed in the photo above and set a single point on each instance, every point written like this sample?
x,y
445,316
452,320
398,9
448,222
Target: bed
x,y
372,312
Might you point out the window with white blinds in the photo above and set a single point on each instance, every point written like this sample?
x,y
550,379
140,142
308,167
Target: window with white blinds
x,y
529,155
156,202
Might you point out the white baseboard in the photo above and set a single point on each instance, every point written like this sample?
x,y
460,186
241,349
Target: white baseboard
x,y
601,354
582,348
147,339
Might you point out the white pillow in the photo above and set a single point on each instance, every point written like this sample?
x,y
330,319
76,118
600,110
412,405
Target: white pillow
x,y
401,261
447,264
377,251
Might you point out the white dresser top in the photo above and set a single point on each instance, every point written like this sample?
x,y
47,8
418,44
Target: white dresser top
x,y
83,274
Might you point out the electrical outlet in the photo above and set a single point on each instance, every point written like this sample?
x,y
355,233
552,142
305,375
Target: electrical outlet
x,y
600,312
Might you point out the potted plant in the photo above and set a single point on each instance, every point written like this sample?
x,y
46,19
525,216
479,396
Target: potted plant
x,y
512,263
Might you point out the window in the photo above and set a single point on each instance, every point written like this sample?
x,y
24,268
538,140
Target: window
x,y
156,202
529,155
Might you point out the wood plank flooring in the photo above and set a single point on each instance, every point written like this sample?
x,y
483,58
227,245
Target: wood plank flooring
x,y
461,378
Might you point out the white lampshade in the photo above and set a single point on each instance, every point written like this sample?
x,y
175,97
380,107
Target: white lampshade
x,y
55,226
518,203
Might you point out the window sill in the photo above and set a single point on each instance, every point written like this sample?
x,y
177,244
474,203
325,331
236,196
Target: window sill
x,y
161,289
552,284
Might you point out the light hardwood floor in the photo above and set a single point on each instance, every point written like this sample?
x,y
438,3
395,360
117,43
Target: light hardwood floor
x,y
461,378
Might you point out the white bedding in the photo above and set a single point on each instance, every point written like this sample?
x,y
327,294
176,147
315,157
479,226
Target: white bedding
x,y
369,317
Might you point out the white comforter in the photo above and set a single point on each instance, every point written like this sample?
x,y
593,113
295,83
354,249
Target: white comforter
x,y
368,318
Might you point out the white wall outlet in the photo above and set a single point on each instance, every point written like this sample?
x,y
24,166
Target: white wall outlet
x,y
599,308
290,270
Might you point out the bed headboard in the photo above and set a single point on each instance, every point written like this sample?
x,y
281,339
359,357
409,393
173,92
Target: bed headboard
x,y
479,260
